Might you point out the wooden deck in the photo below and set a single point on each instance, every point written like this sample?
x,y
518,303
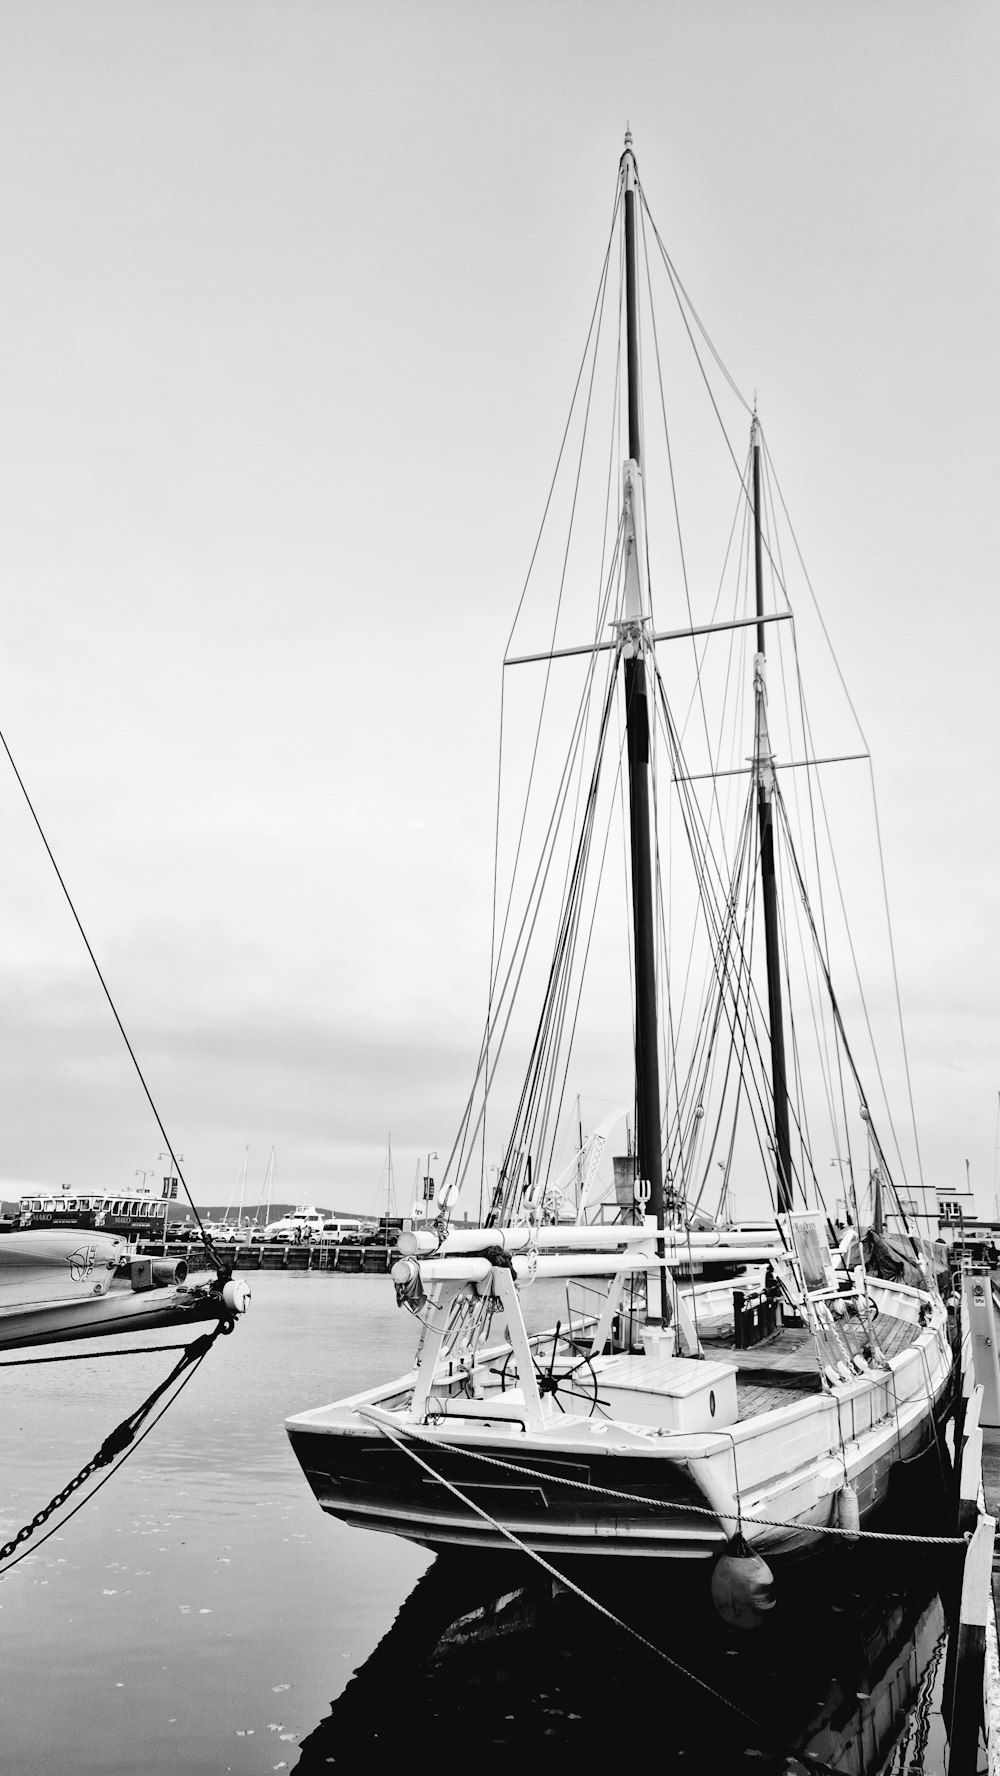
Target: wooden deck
x,y
786,1366
758,1391
791,1350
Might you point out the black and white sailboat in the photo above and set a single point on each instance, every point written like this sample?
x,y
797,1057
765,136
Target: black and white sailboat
x,y
636,1425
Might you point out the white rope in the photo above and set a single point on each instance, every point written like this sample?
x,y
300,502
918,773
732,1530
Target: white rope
x,y
563,1580
637,1498
804,1757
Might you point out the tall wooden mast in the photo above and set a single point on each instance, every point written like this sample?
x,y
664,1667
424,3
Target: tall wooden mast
x,y
636,618
772,940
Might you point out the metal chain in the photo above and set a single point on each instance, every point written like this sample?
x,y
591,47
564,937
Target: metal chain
x,y
116,1442
40,1517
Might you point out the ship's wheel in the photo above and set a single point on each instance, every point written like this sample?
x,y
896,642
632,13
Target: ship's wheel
x,y
567,1372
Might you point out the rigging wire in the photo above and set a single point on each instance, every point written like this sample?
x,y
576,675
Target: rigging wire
x,y
181,1374
519,955
510,1172
220,1263
866,1111
839,1121
719,925
678,286
496,945
773,481
720,886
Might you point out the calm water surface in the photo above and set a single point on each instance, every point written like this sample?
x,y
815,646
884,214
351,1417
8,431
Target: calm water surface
x,y
202,1614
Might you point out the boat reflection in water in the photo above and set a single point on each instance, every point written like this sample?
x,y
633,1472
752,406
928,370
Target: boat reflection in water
x,y
497,1662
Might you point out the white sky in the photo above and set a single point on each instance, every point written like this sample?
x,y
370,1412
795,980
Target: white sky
x,y
291,301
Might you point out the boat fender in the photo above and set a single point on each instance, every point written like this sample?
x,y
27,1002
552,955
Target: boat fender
x,y
405,1274
848,1512
236,1295
742,1586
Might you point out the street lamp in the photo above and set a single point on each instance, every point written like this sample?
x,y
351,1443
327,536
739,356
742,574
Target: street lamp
x,y
144,1188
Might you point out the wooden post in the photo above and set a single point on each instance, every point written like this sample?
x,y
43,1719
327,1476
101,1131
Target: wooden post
x,y
965,1711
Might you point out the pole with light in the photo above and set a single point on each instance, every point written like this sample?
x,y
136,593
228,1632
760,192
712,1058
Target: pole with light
x,y
169,1192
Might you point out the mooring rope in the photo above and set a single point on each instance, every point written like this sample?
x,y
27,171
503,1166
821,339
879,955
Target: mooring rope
x,y
637,1498
805,1757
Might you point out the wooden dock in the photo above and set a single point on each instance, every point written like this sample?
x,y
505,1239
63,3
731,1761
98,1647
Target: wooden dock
x,y
972,1690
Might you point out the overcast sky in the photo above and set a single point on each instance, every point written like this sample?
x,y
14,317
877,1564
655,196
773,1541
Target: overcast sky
x,y
292,297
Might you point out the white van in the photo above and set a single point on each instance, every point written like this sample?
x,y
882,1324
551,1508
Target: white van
x,y
349,1230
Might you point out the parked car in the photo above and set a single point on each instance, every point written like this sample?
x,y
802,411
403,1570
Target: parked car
x,y
228,1233
213,1230
189,1232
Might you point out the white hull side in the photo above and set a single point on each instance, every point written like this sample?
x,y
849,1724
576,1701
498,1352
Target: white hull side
x,y
785,1466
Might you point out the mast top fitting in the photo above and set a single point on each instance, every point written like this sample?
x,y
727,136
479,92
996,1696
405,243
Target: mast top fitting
x,y
628,157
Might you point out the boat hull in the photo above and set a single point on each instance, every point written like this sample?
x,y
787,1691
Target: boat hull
x,y
371,1483
470,1491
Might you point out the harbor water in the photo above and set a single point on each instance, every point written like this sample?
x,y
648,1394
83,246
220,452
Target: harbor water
x,y
200,1614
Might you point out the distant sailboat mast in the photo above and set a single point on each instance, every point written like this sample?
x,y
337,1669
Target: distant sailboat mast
x,y
268,1187
390,1186
239,1186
